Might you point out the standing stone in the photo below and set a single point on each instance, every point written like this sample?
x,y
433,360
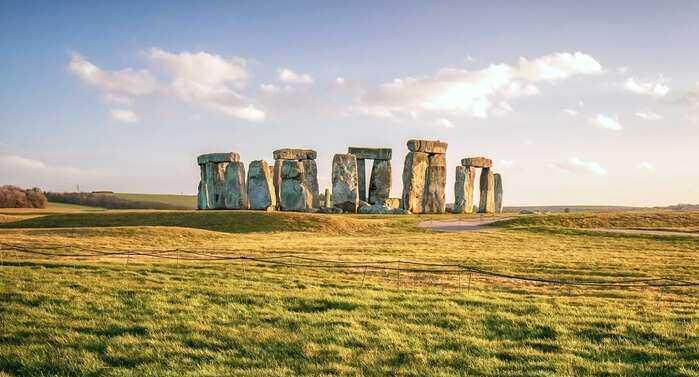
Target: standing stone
x,y
436,178
345,182
414,171
294,194
235,190
277,180
361,174
498,192
215,184
261,192
463,189
310,179
328,201
487,199
380,181
202,197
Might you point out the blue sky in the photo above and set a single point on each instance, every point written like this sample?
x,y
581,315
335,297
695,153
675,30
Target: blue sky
x,y
577,103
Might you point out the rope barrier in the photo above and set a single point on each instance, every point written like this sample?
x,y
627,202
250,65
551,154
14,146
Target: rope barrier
x,y
301,261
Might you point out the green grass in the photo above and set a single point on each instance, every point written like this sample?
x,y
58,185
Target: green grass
x,y
144,316
187,201
640,219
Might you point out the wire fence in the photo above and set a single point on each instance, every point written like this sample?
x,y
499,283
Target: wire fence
x,y
304,261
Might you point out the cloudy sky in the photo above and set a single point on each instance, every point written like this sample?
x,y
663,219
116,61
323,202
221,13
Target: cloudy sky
x,y
576,102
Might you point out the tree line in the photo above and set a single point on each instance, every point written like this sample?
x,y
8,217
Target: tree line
x,y
15,197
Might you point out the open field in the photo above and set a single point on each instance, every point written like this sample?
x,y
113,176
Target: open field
x,y
188,201
165,306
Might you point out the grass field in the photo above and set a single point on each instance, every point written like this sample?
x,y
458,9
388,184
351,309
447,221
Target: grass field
x,y
188,201
177,314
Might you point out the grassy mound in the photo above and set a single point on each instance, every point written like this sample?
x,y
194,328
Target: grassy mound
x,y
185,201
220,221
659,219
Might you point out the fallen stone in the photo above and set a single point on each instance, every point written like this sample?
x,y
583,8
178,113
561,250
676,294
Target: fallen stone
x,y
361,178
487,197
381,209
294,154
294,194
497,179
235,191
427,146
310,179
436,178
261,192
392,202
371,153
218,157
463,189
380,181
414,171
477,162
329,210
345,182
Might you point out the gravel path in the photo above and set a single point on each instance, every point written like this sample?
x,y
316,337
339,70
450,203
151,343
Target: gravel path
x,y
468,225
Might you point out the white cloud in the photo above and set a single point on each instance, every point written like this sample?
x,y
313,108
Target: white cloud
x,y
20,162
506,164
576,165
270,88
646,166
124,115
470,59
340,81
571,112
623,70
209,80
122,84
474,93
648,88
290,77
648,115
606,122
446,123
29,172
692,96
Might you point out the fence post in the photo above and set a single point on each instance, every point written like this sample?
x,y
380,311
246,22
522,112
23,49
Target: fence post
x,y
469,283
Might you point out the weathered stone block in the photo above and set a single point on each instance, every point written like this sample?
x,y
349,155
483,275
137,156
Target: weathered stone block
x,y
414,171
328,199
427,146
277,180
380,182
310,179
218,157
345,182
497,178
294,154
463,189
235,191
214,184
261,192
487,192
436,179
392,202
294,194
361,176
371,153
477,162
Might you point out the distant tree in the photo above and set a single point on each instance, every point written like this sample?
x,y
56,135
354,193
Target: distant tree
x,y
15,197
567,210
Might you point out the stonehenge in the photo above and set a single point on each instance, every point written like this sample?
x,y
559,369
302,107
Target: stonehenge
x,y
463,187
424,177
308,176
291,183
345,182
380,178
261,194
498,192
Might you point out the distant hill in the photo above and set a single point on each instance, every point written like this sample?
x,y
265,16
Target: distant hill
x,y
124,200
574,208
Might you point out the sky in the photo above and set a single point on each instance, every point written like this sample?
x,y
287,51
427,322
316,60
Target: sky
x,y
576,102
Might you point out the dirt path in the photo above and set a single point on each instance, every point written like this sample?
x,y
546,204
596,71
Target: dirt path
x,y
467,225
645,231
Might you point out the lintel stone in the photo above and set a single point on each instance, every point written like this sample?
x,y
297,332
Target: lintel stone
x,y
295,154
370,153
477,162
427,146
218,158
